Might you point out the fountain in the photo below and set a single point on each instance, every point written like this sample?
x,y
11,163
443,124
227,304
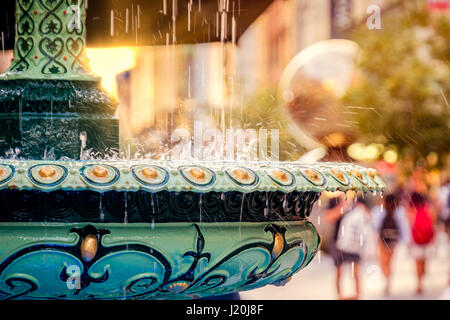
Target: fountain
x,y
135,229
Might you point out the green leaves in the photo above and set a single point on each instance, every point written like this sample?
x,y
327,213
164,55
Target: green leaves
x,y
405,77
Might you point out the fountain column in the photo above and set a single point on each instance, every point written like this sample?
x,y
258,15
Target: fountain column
x,y
50,100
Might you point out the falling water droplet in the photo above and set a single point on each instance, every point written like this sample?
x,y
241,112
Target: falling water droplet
x,y
266,209
240,215
112,23
127,13
125,218
200,207
102,214
3,44
153,209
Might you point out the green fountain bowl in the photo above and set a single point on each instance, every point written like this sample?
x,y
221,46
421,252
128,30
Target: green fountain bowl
x,y
145,261
159,229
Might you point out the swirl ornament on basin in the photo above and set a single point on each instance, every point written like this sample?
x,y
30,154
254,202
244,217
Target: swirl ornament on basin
x,y
137,229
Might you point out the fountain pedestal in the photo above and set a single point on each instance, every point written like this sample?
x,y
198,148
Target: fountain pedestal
x,y
49,95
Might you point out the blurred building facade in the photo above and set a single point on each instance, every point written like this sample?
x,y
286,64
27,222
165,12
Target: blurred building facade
x,y
171,86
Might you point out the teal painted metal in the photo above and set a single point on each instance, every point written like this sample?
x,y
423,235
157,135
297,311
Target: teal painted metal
x,y
49,95
141,261
169,176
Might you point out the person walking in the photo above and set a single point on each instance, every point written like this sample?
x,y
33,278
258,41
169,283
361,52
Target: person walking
x,y
391,226
422,233
349,219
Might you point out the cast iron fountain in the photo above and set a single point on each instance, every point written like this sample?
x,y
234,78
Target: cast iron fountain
x,y
112,229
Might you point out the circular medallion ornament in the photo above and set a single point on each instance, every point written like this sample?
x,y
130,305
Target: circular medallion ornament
x,y
359,176
242,176
100,175
6,173
47,175
150,175
313,176
199,176
340,176
373,174
281,176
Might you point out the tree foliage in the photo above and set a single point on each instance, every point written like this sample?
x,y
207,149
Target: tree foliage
x,y
404,80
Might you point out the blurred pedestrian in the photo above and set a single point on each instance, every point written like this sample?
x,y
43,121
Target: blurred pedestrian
x,y
444,205
391,226
422,233
444,210
350,221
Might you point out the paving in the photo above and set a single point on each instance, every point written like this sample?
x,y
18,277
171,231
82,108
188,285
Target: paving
x,y
317,281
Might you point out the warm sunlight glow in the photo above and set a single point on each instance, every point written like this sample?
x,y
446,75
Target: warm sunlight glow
x,y
109,62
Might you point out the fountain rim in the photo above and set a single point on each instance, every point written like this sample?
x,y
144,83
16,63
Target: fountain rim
x,y
175,176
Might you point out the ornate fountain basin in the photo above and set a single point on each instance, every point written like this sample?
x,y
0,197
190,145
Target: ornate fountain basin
x,y
132,229
159,230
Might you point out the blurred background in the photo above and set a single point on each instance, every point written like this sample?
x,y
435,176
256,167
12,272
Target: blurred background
x,y
364,81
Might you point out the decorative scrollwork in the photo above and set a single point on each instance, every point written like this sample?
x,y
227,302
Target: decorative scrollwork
x,y
234,204
76,48
18,286
184,203
88,204
194,282
51,23
212,205
256,202
120,204
56,205
152,205
24,46
52,48
21,206
162,206
25,25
